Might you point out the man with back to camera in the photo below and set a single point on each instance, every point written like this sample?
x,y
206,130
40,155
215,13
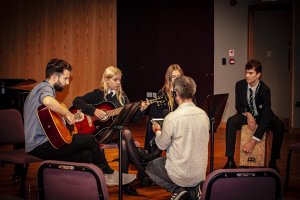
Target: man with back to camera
x,y
185,136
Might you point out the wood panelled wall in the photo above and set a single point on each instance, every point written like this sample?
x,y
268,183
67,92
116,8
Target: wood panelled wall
x,y
83,32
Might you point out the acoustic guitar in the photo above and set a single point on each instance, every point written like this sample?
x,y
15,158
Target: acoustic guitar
x,y
56,127
96,126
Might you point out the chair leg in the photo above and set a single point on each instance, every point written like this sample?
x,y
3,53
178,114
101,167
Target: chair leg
x,y
287,174
17,176
22,187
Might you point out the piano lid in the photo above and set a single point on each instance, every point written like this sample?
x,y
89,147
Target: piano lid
x,y
15,82
5,85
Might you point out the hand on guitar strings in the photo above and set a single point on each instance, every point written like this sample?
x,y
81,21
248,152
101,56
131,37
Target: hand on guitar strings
x,y
73,118
101,114
79,116
70,118
144,104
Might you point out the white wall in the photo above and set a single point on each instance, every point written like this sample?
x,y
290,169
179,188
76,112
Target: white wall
x,y
231,33
296,121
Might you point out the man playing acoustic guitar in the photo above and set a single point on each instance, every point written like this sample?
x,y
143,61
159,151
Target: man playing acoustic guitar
x,y
82,148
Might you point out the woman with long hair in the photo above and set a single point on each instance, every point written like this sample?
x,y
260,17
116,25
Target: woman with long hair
x,y
110,90
160,111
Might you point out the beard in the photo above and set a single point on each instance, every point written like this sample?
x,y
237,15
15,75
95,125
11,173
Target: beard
x,y
58,87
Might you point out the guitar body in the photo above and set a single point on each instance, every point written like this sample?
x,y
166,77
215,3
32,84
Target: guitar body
x,y
55,127
92,124
95,126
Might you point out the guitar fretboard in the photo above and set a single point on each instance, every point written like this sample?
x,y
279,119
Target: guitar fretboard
x,y
116,111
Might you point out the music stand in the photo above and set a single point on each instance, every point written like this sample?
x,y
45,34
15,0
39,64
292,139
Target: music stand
x,y
214,106
124,117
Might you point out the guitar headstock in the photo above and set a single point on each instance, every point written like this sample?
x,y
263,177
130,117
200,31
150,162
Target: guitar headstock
x,y
160,100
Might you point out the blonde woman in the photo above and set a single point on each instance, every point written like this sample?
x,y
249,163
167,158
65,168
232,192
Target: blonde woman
x,y
110,90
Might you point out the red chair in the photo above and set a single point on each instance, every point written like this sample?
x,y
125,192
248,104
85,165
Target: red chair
x,y
71,181
12,133
246,184
295,148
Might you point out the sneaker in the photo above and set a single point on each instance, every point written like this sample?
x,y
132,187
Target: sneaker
x,y
113,179
180,195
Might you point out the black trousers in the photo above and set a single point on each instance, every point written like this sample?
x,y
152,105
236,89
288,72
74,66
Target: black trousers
x,y
83,148
235,123
130,154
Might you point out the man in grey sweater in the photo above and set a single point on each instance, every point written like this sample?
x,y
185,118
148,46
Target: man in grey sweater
x,y
185,135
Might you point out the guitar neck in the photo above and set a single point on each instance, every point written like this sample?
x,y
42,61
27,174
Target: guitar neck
x,y
116,111
151,101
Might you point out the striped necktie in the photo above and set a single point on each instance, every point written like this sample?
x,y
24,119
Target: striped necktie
x,y
251,101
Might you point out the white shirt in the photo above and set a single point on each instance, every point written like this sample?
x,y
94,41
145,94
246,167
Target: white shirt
x,y
112,92
185,135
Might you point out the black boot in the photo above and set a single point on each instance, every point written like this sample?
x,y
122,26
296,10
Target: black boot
x,y
230,164
151,156
129,190
273,165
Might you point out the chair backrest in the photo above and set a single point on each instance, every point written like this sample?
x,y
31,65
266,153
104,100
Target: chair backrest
x,y
70,180
246,184
295,147
11,127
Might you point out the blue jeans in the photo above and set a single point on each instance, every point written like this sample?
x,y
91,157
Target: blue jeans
x,y
157,172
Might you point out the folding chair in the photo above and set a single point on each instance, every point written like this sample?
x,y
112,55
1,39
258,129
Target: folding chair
x,y
246,184
12,133
71,181
296,148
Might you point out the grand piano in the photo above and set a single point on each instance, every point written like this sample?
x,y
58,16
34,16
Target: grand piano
x,y
11,93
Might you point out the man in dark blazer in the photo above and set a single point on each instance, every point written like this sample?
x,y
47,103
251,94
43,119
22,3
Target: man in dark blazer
x,y
253,105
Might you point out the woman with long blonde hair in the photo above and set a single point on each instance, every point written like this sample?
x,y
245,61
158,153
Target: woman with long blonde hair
x,y
108,74
110,91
